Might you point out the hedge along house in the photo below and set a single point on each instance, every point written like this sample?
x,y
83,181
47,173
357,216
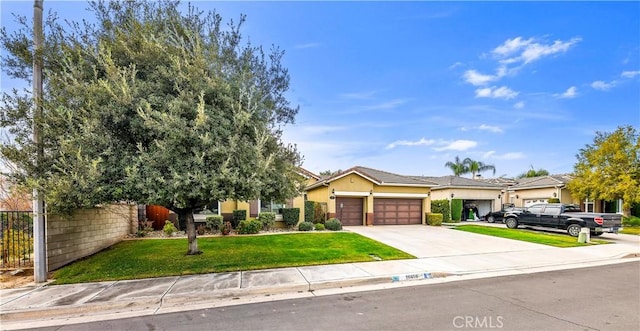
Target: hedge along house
x,y
365,196
484,196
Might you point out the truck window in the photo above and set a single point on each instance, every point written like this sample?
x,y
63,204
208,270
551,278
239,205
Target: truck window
x,y
552,210
536,209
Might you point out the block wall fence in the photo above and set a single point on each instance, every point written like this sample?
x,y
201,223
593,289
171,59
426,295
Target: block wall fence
x,y
87,231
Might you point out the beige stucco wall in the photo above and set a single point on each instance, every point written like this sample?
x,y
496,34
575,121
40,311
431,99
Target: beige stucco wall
x,y
87,231
471,194
354,185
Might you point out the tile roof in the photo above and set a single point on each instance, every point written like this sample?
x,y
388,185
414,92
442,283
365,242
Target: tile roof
x,y
457,181
307,173
542,181
376,176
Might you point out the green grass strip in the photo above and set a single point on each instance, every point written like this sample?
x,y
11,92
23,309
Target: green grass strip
x,y
551,239
147,258
631,230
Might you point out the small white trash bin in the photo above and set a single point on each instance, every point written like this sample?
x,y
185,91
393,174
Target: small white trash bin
x,y
584,236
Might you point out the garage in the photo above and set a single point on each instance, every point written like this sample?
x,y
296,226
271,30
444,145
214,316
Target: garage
x,y
397,211
349,210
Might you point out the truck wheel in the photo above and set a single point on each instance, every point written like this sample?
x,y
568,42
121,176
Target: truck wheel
x,y
573,230
490,219
511,223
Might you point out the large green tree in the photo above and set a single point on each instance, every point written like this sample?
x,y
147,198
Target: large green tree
x,y
609,169
151,104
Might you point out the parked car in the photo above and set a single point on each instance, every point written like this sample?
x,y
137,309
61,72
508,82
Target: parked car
x,y
498,216
566,217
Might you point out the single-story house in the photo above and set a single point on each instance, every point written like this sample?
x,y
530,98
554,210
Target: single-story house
x,y
158,214
485,196
366,196
529,191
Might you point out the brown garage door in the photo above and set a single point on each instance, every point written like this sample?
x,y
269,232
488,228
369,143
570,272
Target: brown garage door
x,y
349,211
397,211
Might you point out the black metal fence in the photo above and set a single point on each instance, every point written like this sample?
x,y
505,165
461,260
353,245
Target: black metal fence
x,y
16,239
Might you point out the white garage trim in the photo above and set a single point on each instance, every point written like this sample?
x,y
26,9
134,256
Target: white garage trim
x,y
400,195
351,194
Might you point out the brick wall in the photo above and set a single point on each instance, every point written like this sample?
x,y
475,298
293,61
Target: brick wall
x,y
87,231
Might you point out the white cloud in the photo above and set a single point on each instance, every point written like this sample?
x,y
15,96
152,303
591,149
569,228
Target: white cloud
x,y
505,156
630,74
421,142
536,51
518,50
570,93
603,86
502,92
519,105
307,45
475,78
490,128
455,65
511,46
457,145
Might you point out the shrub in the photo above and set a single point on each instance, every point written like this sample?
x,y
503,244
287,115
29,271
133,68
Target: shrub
x,y
333,224
319,227
553,200
318,213
214,223
434,219
631,221
305,226
290,216
251,226
169,228
238,215
268,219
456,210
442,207
309,211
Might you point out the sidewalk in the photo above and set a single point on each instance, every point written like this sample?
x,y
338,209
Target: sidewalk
x,y
67,304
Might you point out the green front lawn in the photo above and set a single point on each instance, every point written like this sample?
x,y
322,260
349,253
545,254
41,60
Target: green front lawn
x,y
147,258
631,230
552,239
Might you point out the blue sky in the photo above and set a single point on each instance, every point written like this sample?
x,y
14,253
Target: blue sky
x,y
407,86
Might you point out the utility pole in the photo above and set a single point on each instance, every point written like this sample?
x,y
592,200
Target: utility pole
x,y
39,226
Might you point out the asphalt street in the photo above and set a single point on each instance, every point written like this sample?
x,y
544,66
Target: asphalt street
x,y
594,298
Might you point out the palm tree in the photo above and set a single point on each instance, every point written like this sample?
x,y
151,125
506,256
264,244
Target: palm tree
x,y
458,168
474,167
534,173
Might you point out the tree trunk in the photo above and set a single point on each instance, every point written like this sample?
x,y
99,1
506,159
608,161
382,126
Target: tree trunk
x,y
186,216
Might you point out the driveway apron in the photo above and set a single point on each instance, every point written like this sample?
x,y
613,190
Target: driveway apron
x,y
424,241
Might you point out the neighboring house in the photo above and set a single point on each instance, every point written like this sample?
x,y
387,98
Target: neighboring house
x,y
529,191
532,190
255,207
484,195
365,196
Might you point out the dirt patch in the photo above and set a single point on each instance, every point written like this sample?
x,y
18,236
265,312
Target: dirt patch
x,y
7,280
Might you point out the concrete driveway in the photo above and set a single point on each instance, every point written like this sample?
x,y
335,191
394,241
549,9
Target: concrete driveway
x,y
424,241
